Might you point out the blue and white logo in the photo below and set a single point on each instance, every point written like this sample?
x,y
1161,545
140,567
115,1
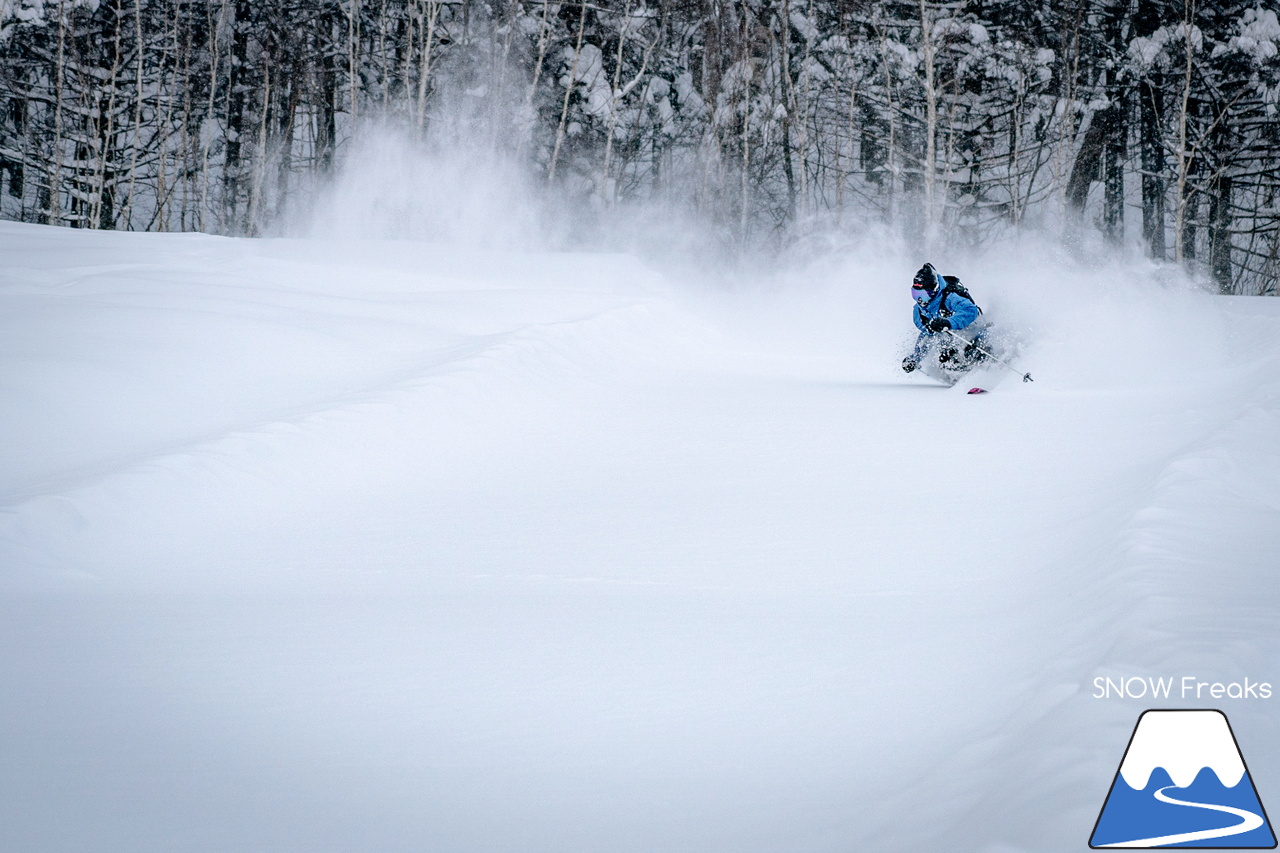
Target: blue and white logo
x,y
1183,783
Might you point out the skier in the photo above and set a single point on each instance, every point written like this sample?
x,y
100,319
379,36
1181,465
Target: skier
x,y
943,304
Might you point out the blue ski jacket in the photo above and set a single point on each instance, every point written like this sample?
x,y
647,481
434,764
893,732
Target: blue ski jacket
x,y
950,306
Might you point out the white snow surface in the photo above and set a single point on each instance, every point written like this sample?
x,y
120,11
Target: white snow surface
x,y
375,546
1183,743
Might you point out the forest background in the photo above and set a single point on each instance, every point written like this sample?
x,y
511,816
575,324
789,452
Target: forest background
x,y
1148,125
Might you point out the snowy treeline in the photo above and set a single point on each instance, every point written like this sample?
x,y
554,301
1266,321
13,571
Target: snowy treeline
x,y
1135,119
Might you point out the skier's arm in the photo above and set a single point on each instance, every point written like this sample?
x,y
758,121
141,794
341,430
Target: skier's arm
x,y
963,312
915,315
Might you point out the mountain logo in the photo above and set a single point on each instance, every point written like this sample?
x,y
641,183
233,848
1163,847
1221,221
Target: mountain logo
x,y
1183,783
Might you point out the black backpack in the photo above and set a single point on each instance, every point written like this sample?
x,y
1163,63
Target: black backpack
x,y
951,284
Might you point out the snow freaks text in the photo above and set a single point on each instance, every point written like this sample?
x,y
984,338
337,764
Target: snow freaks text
x,y
1186,687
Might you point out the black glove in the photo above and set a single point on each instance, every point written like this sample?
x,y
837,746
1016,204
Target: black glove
x,y
937,324
909,364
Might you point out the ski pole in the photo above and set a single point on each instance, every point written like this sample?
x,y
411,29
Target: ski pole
x,y
1026,377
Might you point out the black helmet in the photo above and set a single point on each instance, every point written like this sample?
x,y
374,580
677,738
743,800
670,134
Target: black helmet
x,y
926,278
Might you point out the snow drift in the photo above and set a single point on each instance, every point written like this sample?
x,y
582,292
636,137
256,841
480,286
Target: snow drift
x,y
342,545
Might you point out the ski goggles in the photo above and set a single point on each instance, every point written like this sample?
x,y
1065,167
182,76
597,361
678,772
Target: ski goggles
x,y
920,294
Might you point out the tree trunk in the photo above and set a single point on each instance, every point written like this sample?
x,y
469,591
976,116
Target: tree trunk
x,y
929,176
1220,221
1087,167
1183,151
52,212
232,165
568,91
1114,118
712,49
327,138
1151,109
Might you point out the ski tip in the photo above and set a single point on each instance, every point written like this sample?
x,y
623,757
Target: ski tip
x,y
977,390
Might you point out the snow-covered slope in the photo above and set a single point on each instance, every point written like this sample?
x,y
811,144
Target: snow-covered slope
x,y
373,546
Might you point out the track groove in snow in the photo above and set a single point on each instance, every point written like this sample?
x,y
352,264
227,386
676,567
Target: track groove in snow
x,y
542,348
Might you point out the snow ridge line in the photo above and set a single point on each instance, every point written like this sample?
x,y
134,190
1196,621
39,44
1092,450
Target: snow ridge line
x,y
1132,583
536,349
1173,561
1234,467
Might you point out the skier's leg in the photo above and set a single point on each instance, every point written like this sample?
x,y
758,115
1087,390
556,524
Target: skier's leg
x,y
918,352
973,353
976,334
